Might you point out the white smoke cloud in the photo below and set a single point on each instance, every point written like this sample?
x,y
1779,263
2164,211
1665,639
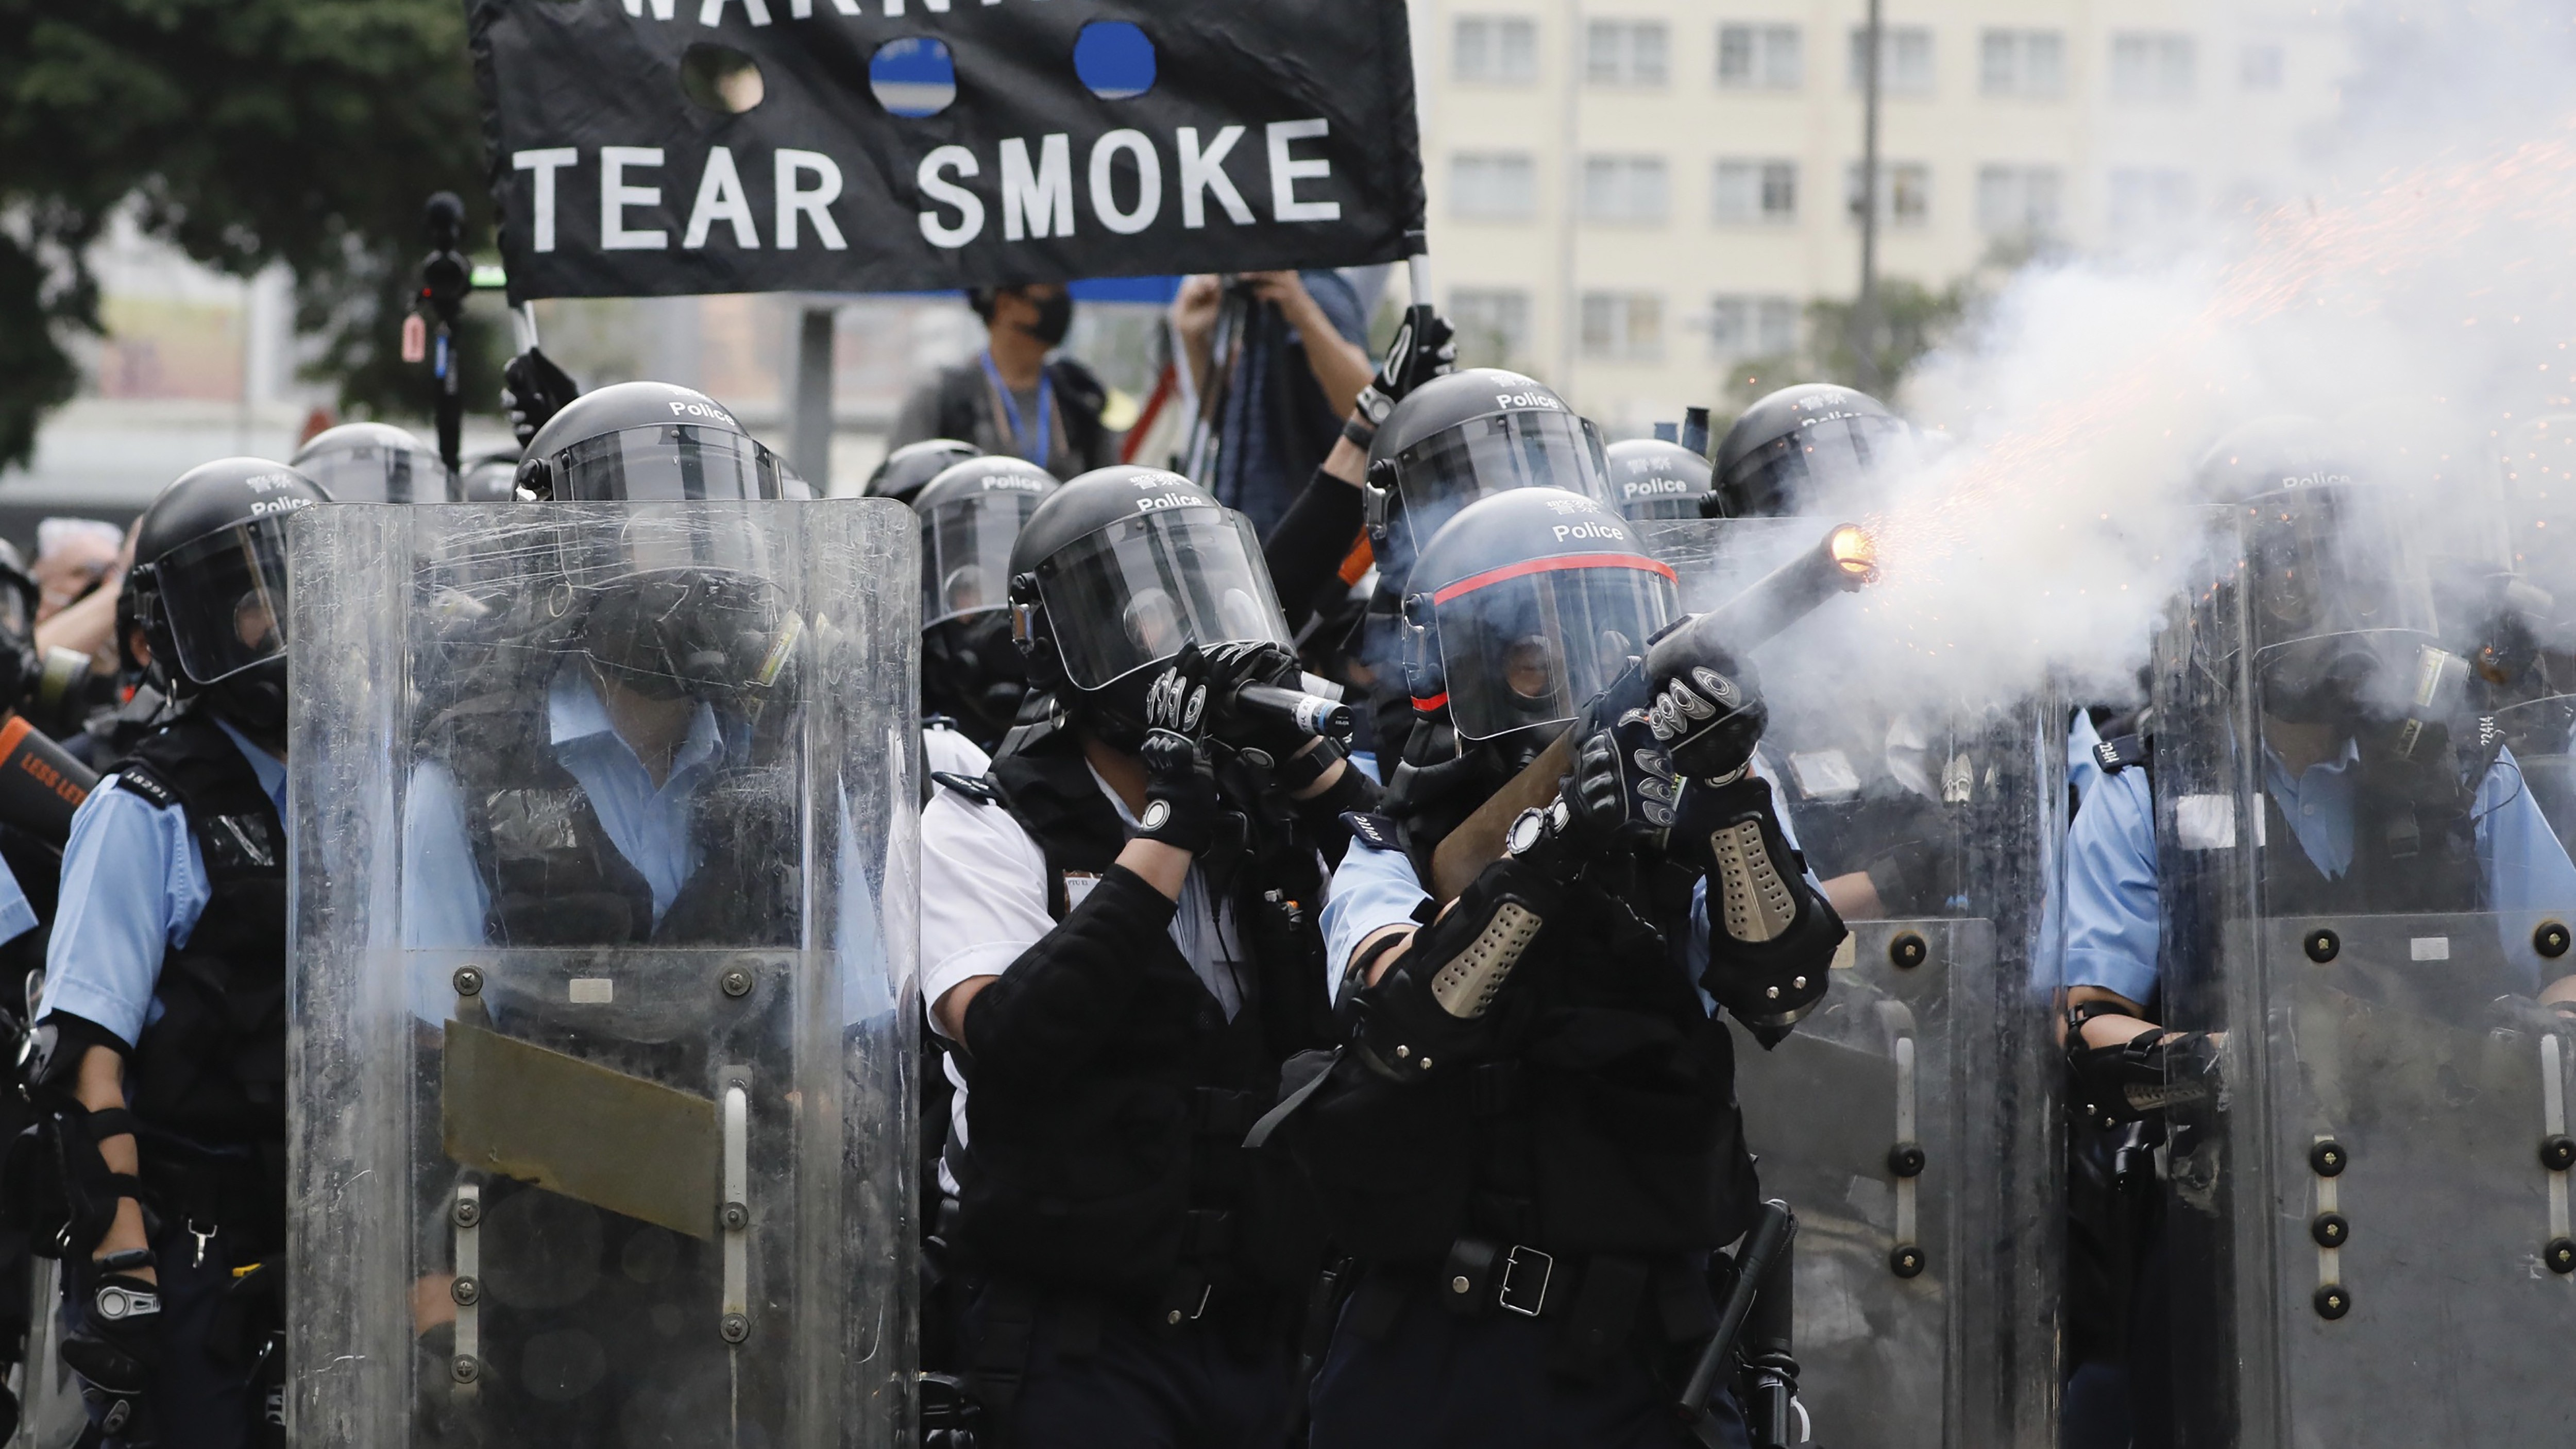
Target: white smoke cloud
x,y
2415,294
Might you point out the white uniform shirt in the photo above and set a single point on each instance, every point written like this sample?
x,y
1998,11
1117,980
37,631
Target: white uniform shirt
x,y
984,901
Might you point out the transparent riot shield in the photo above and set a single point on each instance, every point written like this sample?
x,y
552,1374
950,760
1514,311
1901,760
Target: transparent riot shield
x,y
1910,1121
600,1064
2366,1235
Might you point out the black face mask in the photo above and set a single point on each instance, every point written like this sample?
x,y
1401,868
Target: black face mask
x,y
1055,319
254,702
971,674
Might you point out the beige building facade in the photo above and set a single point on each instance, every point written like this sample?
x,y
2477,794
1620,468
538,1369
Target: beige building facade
x,y
1628,198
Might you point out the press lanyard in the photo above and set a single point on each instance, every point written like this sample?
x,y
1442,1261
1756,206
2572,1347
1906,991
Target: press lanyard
x,y
1011,412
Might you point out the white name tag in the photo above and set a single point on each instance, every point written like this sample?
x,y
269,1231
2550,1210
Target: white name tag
x,y
2430,948
1078,884
593,991
2205,822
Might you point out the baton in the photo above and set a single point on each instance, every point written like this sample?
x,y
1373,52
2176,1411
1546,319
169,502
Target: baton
x,y
1771,1234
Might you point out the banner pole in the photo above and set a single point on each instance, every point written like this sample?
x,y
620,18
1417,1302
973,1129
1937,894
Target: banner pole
x,y
1417,266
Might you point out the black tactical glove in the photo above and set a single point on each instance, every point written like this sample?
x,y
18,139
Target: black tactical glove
x,y
1620,793
2144,1075
1232,666
1424,348
1771,937
533,390
1430,1009
1709,717
116,1353
1180,779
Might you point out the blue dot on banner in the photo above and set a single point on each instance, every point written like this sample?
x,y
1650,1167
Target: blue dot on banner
x,y
914,76
1114,59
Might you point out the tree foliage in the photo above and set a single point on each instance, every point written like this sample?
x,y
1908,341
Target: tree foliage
x,y
245,132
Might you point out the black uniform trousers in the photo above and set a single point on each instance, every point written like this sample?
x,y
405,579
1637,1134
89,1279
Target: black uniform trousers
x,y
1118,1378
1442,1380
201,1396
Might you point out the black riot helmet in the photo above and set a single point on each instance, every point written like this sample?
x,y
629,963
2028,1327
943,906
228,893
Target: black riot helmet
x,y
209,587
489,478
1652,478
1117,570
971,515
1526,605
645,442
1795,448
1462,437
2274,454
909,469
374,463
2340,617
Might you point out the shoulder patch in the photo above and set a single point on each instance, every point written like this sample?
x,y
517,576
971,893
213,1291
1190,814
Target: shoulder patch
x,y
2115,755
982,792
1374,831
138,777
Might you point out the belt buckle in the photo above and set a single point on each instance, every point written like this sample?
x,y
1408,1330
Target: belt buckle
x,y
1511,1265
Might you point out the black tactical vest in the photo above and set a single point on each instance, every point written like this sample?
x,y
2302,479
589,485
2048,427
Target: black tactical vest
x,y
2414,843
552,876
1605,1120
1130,1180
212,1069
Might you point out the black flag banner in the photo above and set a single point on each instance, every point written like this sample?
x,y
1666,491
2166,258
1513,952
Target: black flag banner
x,y
663,147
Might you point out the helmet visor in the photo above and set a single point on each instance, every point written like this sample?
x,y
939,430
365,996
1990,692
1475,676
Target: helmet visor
x,y
1529,644
1130,595
1815,464
225,597
1496,454
379,473
667,463
966,553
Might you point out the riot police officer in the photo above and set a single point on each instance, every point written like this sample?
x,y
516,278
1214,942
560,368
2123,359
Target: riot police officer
x,y
1119,948
1531,1146
1796,451
164,1006
972,679
903,473
2380,894
374,463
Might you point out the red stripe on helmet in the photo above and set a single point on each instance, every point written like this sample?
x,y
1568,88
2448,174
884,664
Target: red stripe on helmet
x,y
1489,577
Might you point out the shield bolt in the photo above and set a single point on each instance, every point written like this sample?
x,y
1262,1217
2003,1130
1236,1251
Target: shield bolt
x,y
469,980
2330,1230
1908,951
464,1369
733,1328
2557,1152
2560,1255
2322,945
2550,939
467,1212
466,1290
2332,1302
1905,1159
1906,1261
2328,1158
736,981
735,1217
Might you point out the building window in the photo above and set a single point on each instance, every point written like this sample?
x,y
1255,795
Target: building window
x,y
1904,192
1627,189
2259,67
1623,326
2022,63
2153,67
2146,200
1626,53
2019,201
1741,327
1757,192
1905,59
1759,58
1493,326
1496,50
1493,186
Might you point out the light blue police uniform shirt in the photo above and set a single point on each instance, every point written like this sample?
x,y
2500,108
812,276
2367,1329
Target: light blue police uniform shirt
x,y
2112,926
444,902
1375,889
134,884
